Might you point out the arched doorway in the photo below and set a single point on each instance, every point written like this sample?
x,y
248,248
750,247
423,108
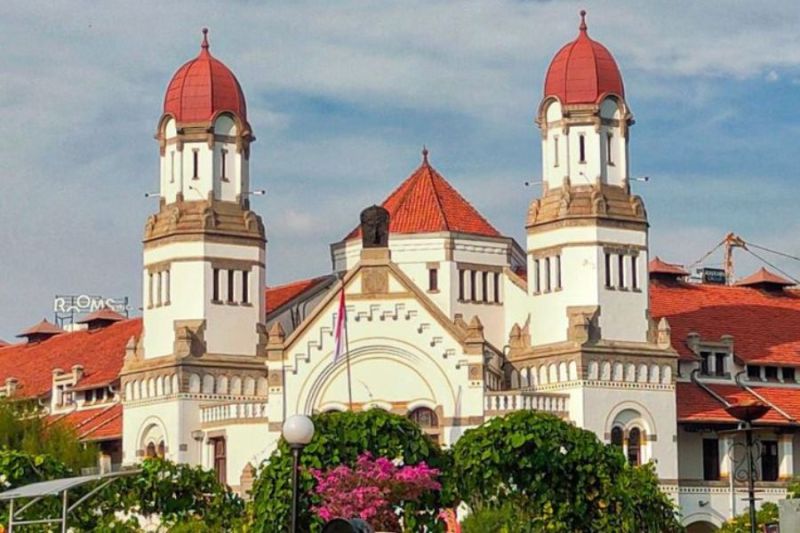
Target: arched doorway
x,y
701,527
427,420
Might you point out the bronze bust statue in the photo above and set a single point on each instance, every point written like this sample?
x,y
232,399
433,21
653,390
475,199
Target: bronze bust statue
x,y
375,227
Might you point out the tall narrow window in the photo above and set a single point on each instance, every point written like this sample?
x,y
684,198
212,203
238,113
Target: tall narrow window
x,y
537,282
230,286
433,279
609,158
608,269
711,459
215,285
224,164
769,460
220,460
558,271
555,151
245,287
635,447
167,288
473,285
705,367
719,364
172,166
195,163
497,287
547,284
485,287
621,271
634,272
616,437
150,290
159,289
582,148
461,285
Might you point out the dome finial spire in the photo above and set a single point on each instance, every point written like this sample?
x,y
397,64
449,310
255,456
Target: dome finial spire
x,y
204,44
424,155
583,20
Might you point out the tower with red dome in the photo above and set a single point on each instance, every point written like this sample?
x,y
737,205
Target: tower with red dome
x,y
204,267
587,243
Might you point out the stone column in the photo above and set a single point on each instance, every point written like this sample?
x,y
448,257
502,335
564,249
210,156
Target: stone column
x,y
785,456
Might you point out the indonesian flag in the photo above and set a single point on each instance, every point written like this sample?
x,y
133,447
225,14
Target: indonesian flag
x,y
339,332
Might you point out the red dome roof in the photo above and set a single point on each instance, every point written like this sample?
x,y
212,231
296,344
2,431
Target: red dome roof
x,y
583,71
203,87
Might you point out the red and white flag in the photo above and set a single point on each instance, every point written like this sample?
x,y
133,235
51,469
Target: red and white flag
x,y
339,332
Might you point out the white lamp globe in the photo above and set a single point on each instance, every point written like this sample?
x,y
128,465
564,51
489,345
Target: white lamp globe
x,y
298,430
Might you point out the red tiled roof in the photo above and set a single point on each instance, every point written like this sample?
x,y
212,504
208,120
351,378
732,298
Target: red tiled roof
x,y
100,352
765,326
103,314
427,203
657,266
696,405
764,277
42,328
583,71
203,87
102,423
275,297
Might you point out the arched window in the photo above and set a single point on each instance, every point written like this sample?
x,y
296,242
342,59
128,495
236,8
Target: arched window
x,y
616,436
424,418
151,450
162,449
635,447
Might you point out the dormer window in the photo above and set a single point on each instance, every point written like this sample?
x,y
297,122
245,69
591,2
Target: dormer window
x,y
713,363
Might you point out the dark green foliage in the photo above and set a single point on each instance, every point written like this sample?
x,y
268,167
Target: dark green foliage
x,y
560,477
339,439
767,514
23,428
507,518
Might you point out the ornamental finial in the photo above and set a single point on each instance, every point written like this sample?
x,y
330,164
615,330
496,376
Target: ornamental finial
x,y
204,44
424,155
583,20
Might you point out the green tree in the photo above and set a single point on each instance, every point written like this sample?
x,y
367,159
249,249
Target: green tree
x,y
339,438
767,514
24,428
558,476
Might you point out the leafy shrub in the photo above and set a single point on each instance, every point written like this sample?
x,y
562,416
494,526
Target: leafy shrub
x,y
560,476
339,439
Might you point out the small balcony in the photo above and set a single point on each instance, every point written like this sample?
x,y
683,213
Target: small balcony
x,y
498,403
211,415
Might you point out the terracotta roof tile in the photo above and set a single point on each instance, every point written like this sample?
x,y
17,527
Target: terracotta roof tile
x,y
764,325
42,328
427,203
203,87
764,277
104,314
100,352
279,295
102,423
696,405
583,71
657,266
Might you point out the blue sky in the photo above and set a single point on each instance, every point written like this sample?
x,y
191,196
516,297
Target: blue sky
x,y
343,95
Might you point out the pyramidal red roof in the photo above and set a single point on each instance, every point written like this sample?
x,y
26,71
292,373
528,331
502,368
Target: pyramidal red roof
x,y
203,87
764,277
276,296
583,71
43,328
657,266
427,203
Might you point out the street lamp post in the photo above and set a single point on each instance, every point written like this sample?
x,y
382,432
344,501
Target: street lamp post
x,y
298,431
747,413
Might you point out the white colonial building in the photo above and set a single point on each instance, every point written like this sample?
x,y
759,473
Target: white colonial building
x,y
448,321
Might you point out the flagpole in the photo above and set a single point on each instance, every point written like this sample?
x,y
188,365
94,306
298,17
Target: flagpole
x,y
347,357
